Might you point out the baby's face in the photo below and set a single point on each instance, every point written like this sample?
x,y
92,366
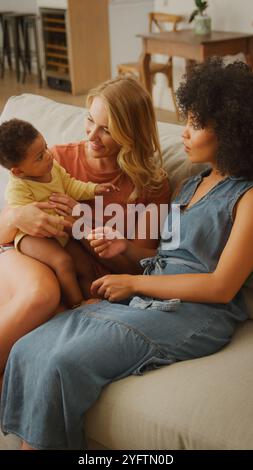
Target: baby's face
x,y
38,161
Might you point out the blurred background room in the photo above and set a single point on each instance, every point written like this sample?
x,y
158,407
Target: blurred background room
x,y
62,48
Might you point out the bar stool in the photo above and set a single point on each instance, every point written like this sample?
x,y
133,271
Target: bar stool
x,y
20,26
11,22
30,30
6,43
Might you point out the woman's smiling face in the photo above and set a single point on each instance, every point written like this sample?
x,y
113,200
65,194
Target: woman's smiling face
x,y
100,143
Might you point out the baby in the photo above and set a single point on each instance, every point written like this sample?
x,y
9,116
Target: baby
x,y
34,176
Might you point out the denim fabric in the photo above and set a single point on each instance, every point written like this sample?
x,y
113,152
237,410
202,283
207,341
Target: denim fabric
x,y
146,302
55,373
206,225
76,355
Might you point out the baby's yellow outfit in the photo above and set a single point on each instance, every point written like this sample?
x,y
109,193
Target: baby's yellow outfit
x,y
22,191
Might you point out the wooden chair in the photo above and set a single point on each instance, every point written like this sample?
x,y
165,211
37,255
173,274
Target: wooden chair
x,y
159,21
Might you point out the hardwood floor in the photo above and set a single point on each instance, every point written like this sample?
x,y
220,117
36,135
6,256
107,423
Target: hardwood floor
x,y
9,87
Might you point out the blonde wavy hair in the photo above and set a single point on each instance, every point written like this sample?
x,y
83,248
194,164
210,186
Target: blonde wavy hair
x,y
132,124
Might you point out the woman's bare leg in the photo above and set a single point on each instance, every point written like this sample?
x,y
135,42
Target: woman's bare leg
x,y
29,295
50,252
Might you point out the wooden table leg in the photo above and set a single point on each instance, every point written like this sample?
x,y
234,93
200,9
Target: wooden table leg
x,y
189,64
145,74
249,54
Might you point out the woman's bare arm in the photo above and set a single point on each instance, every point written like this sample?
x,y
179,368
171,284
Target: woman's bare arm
x,y
235,265
8,228
32,220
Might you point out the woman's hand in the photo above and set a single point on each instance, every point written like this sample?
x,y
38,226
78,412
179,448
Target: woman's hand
x,y
63,204
32,220
107,243
114,287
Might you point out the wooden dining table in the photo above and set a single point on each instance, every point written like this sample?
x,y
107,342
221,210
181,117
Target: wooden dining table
x,y
194,48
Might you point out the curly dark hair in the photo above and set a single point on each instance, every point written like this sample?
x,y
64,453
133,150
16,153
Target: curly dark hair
x,y
16,136
222,96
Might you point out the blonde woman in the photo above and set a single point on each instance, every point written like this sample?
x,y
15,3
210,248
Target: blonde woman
x,y
122,147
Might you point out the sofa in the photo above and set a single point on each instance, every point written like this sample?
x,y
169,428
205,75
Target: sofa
x,y
198,404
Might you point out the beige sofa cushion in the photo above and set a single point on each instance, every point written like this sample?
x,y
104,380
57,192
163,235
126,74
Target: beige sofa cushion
x,y
9,442
204,403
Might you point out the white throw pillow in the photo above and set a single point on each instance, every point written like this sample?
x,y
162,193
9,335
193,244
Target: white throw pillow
x,y
4,175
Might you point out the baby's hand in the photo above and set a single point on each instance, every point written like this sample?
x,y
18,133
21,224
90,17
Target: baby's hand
x,y
105,188
107,243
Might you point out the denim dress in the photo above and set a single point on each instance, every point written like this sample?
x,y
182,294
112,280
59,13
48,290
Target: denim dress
x,y
55,373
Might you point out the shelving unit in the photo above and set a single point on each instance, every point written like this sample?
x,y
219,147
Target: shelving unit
x,y
56,48
76,45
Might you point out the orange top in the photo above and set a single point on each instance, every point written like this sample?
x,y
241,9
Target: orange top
x,y
73,158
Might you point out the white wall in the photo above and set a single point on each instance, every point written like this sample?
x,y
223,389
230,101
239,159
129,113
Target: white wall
x,y
227,15
18,5
126,19
52,4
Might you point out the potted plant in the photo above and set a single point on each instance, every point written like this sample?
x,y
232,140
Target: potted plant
x,y
202,22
